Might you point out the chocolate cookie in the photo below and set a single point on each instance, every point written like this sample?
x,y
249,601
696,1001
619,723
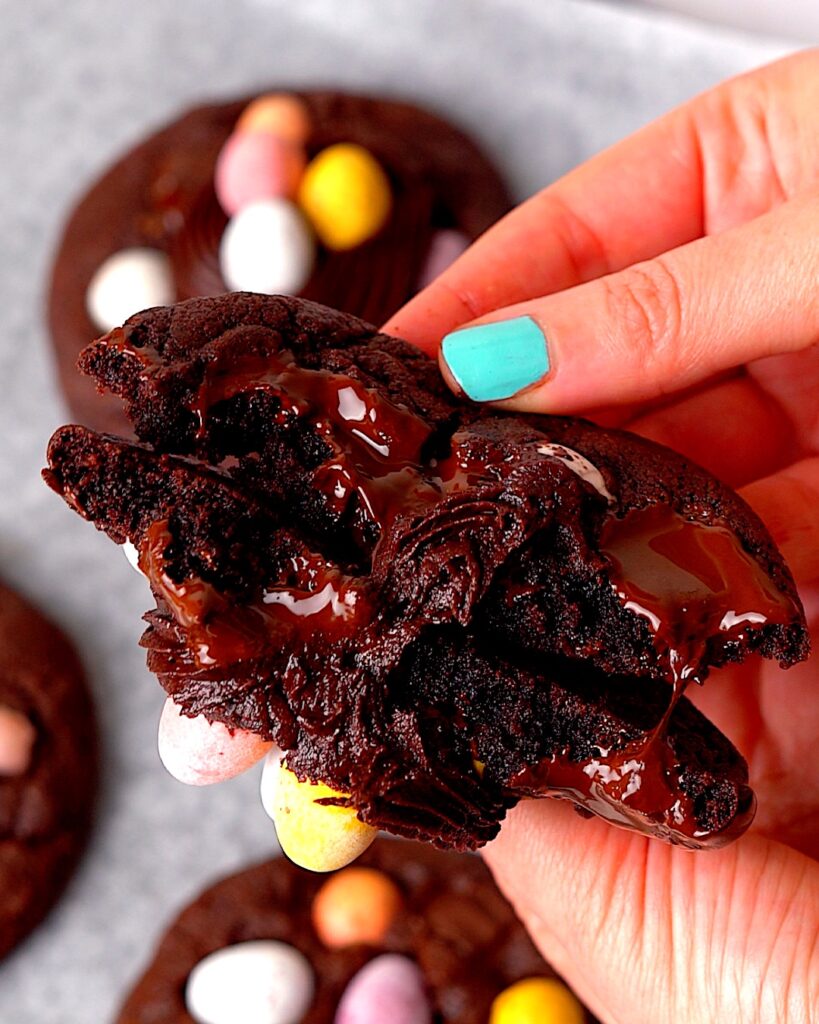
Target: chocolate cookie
x,y
48,766
433,608
153,230
435,916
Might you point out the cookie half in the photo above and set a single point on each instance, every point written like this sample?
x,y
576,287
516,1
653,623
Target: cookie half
x,y
48,765
432,608
436,924
153,229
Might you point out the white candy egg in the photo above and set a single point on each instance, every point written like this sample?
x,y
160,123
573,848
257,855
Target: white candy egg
x,y
259,982
389,988
127,282
200,753
267,247
132,555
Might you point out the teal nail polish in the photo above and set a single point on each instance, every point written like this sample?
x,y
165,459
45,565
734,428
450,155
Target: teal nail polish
x,y
494,361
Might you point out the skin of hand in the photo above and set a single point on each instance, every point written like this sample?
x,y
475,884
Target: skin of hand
x,y
675,278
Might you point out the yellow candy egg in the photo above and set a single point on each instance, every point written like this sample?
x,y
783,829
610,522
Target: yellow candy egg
x,y
536,1001
316,836
277,114
346,195
355,906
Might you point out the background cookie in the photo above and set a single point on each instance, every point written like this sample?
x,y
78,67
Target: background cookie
x,y
440,912
48,764
360,227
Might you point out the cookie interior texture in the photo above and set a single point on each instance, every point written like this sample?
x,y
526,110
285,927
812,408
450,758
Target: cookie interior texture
x,y
453,923
161,195
45,812
431,606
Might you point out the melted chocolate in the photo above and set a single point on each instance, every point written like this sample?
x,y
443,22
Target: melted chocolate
x,y
694,584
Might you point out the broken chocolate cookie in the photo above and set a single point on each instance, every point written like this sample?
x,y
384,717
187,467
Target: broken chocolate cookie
x,y
433,608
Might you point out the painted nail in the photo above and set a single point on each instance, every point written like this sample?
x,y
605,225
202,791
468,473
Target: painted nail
x,y
495,361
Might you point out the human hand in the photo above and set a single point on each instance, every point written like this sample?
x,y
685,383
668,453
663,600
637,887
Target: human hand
x,y
676,280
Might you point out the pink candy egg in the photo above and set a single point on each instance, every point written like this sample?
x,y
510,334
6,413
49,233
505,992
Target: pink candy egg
x,y
199,753
389,988
254,166
17,736
446,246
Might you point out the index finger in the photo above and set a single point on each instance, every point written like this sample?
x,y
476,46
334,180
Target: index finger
x,y
720,160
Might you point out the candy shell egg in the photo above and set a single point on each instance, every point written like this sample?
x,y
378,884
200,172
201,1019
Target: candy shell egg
x,y
17,738
446,246
199,753
346,195
536,1001
254,166
389,988
126,283
316,836
277,114
355,906
258,982
267,247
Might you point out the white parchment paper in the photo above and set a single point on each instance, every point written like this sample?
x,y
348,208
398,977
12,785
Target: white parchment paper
x,y
543,83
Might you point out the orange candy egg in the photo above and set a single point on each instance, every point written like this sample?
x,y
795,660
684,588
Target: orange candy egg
x,y
277,114
355,906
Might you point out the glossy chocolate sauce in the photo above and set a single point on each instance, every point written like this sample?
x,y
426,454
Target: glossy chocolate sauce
x,y
691,582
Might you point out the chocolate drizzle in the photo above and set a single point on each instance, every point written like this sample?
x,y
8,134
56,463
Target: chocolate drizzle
x,y
398,589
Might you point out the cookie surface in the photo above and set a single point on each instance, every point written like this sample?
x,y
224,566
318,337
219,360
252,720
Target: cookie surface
x,y
431,607
160,198
451,921
46,795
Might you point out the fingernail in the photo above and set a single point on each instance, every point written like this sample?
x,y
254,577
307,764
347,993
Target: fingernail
x,y
495,361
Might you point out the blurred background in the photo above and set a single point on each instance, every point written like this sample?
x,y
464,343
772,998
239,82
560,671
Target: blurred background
x,y
542,84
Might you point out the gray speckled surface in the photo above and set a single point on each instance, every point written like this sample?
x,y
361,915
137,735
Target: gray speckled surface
x,y
544,84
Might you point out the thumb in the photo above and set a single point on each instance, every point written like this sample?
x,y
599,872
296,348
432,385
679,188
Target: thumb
x,y
654,934
655,327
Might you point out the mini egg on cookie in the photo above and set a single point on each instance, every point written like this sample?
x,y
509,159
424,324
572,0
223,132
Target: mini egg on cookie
x,y
409,935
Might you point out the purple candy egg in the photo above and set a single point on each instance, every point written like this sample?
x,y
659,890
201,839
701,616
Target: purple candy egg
x,y
446,246
389,988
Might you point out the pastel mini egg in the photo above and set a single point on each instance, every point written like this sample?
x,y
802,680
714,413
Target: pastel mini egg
x,y
199,753
389,988
277,114
536,1001
126,283
17,738
256,166
131,555
267,247
355,906
446,246
346,195
257,982
318,837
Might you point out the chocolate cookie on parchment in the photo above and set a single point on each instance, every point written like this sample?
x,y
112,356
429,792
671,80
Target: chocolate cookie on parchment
x,y
408,935
352,201
48,765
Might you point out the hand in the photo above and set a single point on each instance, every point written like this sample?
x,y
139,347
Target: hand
x,y
675,280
